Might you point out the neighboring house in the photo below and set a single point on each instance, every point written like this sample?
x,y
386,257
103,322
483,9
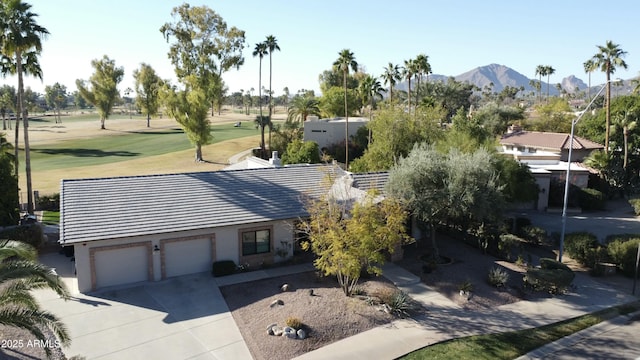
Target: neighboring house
x,y
546,154
148,228
327,132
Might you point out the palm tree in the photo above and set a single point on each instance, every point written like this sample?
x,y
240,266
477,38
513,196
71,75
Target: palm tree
x,y
540,71
626,121
370,89
20,273
408,71
21,43
272,45
548,70
589,67
303,106
261,50
391,76
424,68
346,61
609,59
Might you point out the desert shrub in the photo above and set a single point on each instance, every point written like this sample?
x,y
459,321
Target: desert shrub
x,y
534,234
498,277
465,286
582,247
294,322
400,303
31,234
623,253
507,243
552,276
358,290
223,267
635,203
592,199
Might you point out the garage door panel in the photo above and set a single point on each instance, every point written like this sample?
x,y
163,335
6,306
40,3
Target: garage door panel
x,y
187,257
121,266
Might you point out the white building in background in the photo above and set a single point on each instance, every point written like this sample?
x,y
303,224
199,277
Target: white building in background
x,y
326,132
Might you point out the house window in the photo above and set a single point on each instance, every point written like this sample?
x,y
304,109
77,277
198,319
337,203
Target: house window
x,y
256,242
520,148
532,150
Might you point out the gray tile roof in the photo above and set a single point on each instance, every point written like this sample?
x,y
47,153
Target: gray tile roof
x,y
108,208
547,140
368,181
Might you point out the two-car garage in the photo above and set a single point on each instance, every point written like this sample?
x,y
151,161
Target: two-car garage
x,y
148,260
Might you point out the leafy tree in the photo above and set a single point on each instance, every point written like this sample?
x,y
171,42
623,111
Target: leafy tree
x,y
9,202
332,102
391,76
260,51
609,58
466,135
190,109
286,133
516,180
78,100
8,101
554,116
455,188
56,97
20,273
148,85
497,118
102,91
20,45
452,96
347,245
302,106
394,133
346,60
301,152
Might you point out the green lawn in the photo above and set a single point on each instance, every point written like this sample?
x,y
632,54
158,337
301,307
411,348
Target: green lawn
x,y
50,217
511,345
121,146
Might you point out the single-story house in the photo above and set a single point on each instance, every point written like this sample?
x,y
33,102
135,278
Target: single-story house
x,y
148,228
546,154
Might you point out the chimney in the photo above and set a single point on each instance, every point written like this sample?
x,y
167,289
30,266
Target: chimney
x,y
514,129
275,160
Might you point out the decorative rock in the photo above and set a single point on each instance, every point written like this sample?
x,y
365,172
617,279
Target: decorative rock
x,y
276,302
311,292
278,332
301,334
289,332
270,331
270,328
285,287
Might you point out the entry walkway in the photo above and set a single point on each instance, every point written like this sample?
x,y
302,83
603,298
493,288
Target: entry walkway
x,y
445,320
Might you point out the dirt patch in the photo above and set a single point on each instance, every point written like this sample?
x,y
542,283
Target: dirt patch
x,y
328,315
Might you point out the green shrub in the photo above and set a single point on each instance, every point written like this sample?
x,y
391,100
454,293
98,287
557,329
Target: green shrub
x,y
583,247
294,322
507,243
635,203
520,223
49,202
623,253
31,234
534,234
552,276
223,267
498,277
592,199
400,303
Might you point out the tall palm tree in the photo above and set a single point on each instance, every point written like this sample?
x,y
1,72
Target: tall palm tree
x,y
370,89
540,71
20,44
391,76
589,67
261,50
609,59
424,68
626,121
20,273
346,60
548,70
408,71
272,45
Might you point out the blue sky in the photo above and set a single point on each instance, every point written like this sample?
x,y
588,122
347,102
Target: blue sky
x,y
456,35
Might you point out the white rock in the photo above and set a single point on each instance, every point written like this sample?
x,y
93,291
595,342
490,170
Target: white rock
x,y
301,334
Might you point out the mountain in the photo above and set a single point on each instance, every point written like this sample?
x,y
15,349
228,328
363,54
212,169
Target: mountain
x,y
501,76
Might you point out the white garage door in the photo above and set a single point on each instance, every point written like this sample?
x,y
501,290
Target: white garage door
x,y
187,257
121,266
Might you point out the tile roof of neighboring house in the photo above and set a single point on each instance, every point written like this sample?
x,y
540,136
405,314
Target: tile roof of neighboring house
x,y
368,181
107,208
547,140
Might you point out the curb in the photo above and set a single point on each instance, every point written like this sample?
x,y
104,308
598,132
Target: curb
x,y
607,325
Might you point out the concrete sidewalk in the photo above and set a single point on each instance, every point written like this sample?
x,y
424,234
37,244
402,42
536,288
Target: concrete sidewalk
x,y
446,320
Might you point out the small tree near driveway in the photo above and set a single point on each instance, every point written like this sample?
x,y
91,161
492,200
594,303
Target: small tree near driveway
x,y
347,240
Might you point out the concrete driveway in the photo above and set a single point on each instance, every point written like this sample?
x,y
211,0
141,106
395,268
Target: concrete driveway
x,y
180,318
